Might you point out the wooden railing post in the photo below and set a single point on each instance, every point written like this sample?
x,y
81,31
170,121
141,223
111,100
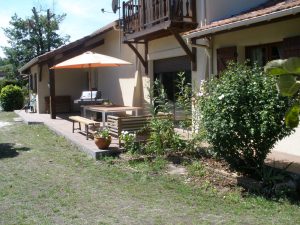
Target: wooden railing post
x,y
144,14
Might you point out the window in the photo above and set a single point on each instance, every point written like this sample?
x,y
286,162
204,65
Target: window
x,y
261,54
225,55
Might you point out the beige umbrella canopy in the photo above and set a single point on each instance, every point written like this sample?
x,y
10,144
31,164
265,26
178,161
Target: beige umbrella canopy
x,y
90,60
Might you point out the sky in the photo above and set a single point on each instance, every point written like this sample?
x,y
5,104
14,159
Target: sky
x,y
83,16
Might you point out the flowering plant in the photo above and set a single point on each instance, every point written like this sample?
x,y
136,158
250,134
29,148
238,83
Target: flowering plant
x,y
129,141
102,134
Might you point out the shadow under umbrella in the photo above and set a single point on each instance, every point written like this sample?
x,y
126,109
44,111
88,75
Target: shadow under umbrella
x,y
8,150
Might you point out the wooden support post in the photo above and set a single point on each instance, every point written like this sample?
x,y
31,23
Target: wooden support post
x,y
52,92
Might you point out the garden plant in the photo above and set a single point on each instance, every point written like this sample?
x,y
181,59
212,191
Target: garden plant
x,y
11,98
288,84
243,116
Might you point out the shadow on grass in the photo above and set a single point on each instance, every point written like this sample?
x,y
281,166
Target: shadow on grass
x,y
8,150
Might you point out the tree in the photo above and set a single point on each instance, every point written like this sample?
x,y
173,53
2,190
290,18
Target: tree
x,y
32,36
288,72
6,68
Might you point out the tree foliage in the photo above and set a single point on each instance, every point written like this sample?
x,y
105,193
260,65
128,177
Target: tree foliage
x,y
32,36
243,116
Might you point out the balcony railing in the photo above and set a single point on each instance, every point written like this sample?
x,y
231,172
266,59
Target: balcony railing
x,y
139,15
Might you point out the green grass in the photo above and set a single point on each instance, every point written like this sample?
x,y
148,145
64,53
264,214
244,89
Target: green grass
x,y
45,180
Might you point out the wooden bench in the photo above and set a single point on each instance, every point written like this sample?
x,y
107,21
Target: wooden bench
x,y
117,124
85,121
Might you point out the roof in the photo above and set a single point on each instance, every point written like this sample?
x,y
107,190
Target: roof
x,y
68,47
272,9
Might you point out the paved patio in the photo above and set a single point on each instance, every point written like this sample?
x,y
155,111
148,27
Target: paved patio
x,y
63,127
285,151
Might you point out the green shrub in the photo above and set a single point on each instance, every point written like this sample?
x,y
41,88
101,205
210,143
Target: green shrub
x,y
129,140
243,116
11,98
4,83
162,137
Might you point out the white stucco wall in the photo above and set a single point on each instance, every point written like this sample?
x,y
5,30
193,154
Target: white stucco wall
x,y
122,85
221,9
271,33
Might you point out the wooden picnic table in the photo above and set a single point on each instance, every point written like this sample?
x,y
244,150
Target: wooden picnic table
x,y
109,108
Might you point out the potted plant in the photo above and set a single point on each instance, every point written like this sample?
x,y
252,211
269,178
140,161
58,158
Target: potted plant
x,y
102,138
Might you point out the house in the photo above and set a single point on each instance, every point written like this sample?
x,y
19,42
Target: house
x,y
200,37
121,85
164,37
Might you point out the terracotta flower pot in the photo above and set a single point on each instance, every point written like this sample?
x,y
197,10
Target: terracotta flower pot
x,y
102,143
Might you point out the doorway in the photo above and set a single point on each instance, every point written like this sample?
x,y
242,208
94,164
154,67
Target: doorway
x,y
166,71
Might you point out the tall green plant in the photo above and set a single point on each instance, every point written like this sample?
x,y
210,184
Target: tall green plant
x,y
184,99
162,134
243,116
288,84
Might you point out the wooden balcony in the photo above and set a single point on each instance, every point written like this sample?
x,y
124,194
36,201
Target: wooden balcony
x,y
151,19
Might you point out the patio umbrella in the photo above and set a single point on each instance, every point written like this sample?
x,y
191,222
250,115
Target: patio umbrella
x,y
90,60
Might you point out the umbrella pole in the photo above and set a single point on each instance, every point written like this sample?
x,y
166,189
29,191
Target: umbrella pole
x,y
90,82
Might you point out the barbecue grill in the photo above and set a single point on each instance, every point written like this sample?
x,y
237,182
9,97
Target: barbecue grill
x,y
89,98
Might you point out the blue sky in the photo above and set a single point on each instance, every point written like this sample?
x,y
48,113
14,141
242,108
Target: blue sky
x,y
83,16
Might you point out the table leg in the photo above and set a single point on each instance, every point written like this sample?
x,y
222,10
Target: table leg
x,y
87,131
103,119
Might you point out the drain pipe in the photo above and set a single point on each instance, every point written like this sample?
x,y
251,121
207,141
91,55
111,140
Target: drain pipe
x,y
207,45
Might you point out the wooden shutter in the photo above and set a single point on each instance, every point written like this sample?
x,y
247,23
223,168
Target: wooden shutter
x,y
291,47
224,55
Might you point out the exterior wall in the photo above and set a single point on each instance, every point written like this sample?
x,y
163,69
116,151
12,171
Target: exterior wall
x,y
220,9
43,90
265,34
125,85
163,48
67,82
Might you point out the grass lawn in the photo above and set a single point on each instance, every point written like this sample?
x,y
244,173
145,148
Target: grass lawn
x,y
45,180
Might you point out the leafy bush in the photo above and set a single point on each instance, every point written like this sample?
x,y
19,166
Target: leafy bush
x,y
4,83
11,98
288,72
129,140
163,137
242,114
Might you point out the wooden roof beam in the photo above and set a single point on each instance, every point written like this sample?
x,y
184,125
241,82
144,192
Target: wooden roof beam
x,y
144,60
191,53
